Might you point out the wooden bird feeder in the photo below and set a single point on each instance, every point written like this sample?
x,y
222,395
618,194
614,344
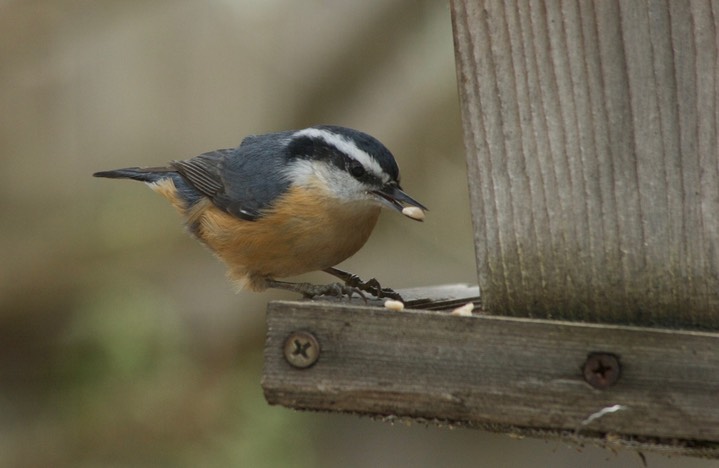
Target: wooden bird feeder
x,y
592,135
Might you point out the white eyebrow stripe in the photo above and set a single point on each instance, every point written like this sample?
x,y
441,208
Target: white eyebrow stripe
x,y
348,147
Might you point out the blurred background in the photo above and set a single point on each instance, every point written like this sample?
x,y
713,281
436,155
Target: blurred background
x,y
121,341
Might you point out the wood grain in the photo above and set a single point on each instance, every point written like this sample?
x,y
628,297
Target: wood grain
x,y
498,372
591,137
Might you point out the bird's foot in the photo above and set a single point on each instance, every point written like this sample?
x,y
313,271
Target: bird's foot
x,y
371,286
309,290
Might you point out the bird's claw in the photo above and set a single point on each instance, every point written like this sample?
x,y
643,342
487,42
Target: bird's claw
x,y
353,284
337,290
373,287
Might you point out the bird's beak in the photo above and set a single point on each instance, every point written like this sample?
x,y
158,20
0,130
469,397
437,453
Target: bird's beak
x,y
393,197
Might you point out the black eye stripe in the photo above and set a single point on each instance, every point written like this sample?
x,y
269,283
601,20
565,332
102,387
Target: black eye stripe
x,y
312,145
356,169
318,149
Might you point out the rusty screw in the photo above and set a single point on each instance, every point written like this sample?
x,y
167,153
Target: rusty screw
x,y
301,349
601,370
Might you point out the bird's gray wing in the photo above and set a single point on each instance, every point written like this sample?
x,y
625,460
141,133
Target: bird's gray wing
x,y
242,181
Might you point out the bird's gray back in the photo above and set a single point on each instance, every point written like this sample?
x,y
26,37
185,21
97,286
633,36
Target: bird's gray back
x,y
242,181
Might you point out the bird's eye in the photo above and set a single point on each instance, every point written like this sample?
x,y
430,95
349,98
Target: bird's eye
x,y
357,169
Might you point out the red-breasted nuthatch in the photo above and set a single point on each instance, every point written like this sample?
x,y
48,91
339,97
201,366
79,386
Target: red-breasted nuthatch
x,y
285,203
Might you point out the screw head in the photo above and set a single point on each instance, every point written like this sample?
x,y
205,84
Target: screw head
x,y
601,370
301,349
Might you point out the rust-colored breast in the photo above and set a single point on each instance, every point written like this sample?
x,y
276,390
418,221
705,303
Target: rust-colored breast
x,y
306,231
303,233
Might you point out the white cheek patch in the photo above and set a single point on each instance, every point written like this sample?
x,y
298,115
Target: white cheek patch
x,y
348,147
323,176
300,172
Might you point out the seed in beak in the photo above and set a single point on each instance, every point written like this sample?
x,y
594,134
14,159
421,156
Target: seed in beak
x,y
413,212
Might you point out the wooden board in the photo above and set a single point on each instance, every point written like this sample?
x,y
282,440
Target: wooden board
x,y
499,372
591,133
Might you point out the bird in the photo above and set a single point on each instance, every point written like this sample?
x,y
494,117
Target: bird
x,y
286,203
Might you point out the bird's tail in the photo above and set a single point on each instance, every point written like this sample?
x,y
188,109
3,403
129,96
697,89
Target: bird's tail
x,y
143,174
